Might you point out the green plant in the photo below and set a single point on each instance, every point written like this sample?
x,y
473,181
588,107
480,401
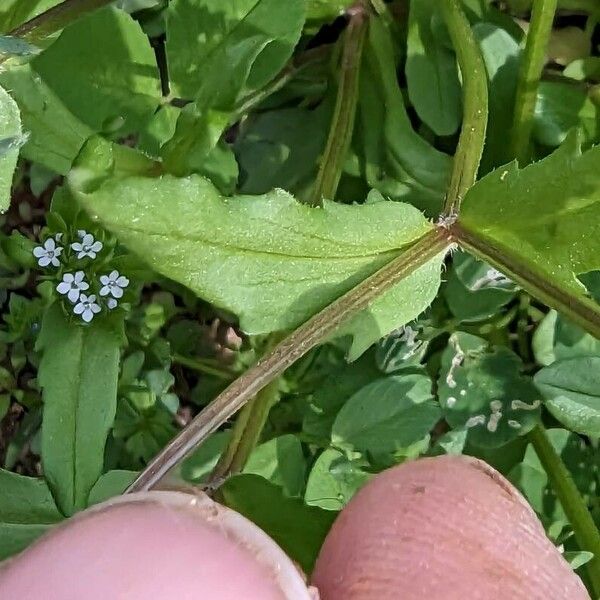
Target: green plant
x,y
243,174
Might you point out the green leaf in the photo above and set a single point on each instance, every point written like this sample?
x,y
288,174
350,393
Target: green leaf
x,y
501,54
556,338
431,71
481,389
11,139
402,349
198,466
543,220
474,290
281,461
78,373
270,260
104,70
572,391
55,135
561,107
111,484
299,529
222,50
387,415
333,481
397,161
27,510
15,12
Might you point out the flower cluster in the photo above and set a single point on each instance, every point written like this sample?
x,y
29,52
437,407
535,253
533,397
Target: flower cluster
x,y
75,284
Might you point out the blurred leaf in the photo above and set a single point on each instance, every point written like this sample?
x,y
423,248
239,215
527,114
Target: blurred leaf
x,y
397,161
198,466
482,390
431,70
78,374
572,391
219,50
55,134
118,85
11,139
387,415
561,107
109,485
333,480
15,12
27,510
282,462
583,69
474,290
299,529
285,260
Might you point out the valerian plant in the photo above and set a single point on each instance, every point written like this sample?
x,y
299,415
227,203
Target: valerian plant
x,y
370,227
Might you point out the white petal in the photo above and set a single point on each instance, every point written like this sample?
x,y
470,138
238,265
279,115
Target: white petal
x,y
111,303
49,244
117,292
84,298
95,308
81,233
81,255
58,251
123,282
91,254
68,278
84,285
88,239
104,280
55,262
79,308
79,275
96,246
77,246
114,275
105,291
73,295
44,261
91,298
63,287
38,252
87,315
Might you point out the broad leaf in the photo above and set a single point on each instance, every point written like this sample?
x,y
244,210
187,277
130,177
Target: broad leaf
x,y
431,71
299,529
55,135
482,390
387,415
11,139
111,484
397,161
333,481
27,510
544,217
223,49
15,12
104,70
78,374
269,259
572,391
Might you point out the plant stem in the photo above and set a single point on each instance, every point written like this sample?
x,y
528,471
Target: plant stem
x,y
56,18
342,124
586,532
475,103
530,71
203,366
580,310
246,432
287,352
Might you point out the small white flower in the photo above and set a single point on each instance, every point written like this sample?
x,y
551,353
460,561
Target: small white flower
x,y
87,247
72,285
113,284
48,253
87,307
111,303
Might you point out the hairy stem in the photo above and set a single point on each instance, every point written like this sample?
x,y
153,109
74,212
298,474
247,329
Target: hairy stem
x,y
580,310
342,124
287,352
586,532
530,72
475,105
246,433
56,18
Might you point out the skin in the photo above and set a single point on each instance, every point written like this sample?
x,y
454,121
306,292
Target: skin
x,y
159,545
444,528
